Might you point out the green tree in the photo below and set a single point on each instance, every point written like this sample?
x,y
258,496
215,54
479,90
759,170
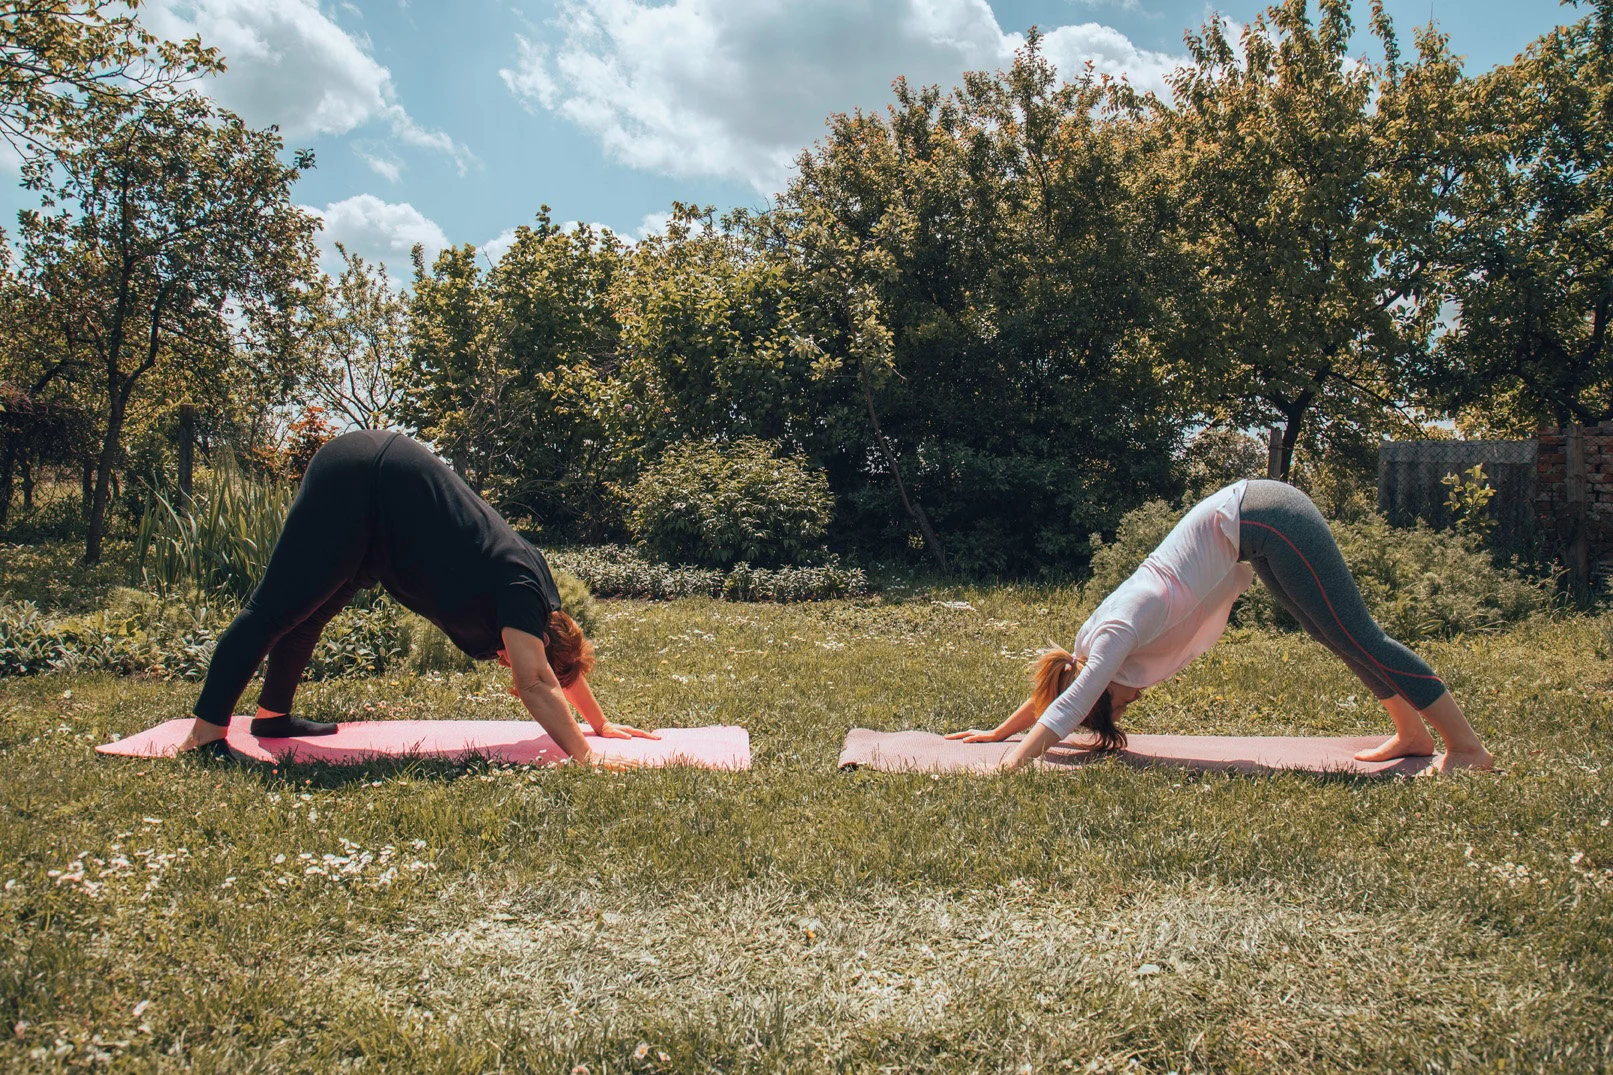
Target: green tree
x,y
503,364
40,414
55,55
166,235
453,382
976,267
1531,276
356,330
1314,196
549,298
708,347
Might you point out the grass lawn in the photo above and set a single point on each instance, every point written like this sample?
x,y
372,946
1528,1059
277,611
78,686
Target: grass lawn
x,y
185,915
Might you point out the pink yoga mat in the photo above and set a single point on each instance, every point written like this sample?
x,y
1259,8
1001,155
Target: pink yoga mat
x,y
928,752
519,742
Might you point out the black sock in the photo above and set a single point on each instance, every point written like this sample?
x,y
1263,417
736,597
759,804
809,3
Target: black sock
x,y
283,727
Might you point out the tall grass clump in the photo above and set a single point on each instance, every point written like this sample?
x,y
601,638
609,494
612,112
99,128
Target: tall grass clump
x,y
220,543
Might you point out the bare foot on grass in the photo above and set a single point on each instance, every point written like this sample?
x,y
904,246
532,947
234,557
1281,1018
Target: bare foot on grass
x,y
1480,761
1400,746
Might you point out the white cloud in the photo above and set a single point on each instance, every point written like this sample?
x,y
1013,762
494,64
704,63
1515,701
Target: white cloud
x,y
290,64
378,231
530,79
385,167
1134,7
495,248
735,88
1111,52
653,224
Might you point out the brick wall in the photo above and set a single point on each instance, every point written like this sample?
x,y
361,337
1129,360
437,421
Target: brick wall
x,y
1551,487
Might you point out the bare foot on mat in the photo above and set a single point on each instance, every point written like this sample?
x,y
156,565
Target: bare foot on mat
x,y
201,733
1397,746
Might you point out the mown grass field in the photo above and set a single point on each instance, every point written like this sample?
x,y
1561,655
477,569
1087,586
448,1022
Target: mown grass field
x,y
172,915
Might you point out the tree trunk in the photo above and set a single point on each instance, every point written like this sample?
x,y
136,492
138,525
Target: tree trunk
x,y
931,541
1290,437
27,466
103,475
8,467
86,487
187,452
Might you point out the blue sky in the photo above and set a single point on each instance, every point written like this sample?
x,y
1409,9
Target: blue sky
x,y
451,121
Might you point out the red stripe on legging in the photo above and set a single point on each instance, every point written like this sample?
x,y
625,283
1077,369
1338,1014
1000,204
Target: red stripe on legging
x,y
1323,591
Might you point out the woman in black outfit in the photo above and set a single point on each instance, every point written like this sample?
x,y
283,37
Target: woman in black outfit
x,y
377,507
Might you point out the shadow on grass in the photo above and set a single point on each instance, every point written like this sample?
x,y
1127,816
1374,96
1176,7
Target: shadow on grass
x,y
330,776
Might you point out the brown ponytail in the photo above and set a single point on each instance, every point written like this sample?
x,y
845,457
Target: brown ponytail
x,y
1052,673
570,654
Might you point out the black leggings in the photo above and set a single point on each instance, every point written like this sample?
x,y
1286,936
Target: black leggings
x,y
1288,543
314,571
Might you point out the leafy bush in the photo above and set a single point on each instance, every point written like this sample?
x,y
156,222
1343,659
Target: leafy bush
x,y
576,599
614,571
1140,532
53,575
138,634
361,642
1418,583
718,505
1423,583
171,642
27,645
821,583
1218,457
429,649
58,515
218,545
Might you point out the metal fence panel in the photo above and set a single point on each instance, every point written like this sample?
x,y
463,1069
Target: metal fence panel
x,y
1410,485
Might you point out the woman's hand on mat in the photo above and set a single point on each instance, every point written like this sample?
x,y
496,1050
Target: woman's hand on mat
x,y
1017,721
608,730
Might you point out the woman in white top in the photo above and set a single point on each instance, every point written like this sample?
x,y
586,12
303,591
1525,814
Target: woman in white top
x,y
1175,606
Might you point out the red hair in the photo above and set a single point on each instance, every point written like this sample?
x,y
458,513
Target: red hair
x,y
570,653
1051,675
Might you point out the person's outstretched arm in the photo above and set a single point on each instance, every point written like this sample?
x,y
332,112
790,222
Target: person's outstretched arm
x,y
535,684
580,695
1033,746
1014,723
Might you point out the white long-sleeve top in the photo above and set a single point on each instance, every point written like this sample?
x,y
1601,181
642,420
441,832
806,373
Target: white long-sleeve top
x,y
1173,608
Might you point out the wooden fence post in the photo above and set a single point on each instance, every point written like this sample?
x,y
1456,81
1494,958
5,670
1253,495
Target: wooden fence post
x,y
1579,547
187,451
1274,452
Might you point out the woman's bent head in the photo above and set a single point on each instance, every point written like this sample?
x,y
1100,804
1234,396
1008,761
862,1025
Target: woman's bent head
x,y
570,653
1053,671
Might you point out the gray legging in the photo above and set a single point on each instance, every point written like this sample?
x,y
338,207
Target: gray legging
x,y
1287,542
